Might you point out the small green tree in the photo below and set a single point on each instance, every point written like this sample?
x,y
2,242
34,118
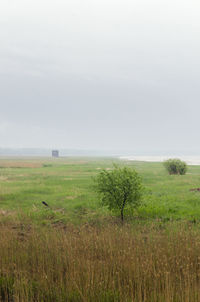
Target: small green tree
x,y
175,166
119,187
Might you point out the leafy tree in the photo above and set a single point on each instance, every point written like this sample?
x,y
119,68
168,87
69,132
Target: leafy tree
x,y
119,187
175,166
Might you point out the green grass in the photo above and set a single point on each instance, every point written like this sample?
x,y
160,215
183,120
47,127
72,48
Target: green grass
x,y
66,184
77,250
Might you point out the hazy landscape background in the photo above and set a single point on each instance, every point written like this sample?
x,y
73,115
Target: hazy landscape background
x,y
100,75
131,155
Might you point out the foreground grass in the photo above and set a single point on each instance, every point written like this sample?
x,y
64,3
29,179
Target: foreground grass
x,y
108,263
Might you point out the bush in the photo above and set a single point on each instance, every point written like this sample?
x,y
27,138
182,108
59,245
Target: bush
x,y
119,187
175,166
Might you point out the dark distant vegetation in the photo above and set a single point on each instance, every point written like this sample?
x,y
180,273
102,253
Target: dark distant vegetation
x,y
119,187
175,166
75,249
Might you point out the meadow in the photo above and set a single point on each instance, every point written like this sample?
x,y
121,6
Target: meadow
x,y
76,250
66,185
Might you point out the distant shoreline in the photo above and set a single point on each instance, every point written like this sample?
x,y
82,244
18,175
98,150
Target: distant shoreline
x,y
190,160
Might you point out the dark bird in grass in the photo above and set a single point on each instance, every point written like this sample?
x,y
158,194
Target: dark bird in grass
x,y
44,203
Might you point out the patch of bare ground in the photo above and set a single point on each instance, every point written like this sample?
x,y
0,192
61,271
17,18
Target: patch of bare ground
x,y
3,178
3,212
71,197
7,213
20,164
195,190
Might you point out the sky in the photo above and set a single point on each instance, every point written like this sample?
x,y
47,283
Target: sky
x,y
100,74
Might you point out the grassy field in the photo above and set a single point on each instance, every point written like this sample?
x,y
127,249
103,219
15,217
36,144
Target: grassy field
x,y
77,251
67,186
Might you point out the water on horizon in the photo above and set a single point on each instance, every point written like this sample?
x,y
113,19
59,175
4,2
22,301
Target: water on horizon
x,y
190,160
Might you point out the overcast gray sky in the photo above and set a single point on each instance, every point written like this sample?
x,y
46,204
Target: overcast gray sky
x,y
100,74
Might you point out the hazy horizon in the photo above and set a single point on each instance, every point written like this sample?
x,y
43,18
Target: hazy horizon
x,y
100,75
129,154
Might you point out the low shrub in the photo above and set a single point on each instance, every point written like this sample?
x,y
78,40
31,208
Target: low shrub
x,y
175,166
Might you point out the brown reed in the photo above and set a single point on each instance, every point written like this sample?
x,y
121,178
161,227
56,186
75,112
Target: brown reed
x,y
90,263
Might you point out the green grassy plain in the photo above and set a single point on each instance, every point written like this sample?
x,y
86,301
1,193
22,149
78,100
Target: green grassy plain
x,y
66,184
78,251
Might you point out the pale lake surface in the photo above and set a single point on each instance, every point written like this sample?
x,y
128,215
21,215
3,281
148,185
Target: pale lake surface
x,y
190,160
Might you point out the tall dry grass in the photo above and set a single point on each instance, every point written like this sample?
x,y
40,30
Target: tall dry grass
x,y
110,263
